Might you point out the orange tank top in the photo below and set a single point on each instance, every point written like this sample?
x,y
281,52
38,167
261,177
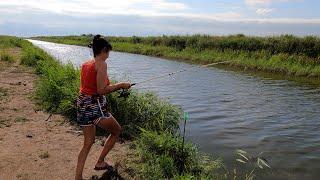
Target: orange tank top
x,y
88,83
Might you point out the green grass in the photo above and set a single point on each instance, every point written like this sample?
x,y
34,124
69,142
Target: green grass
x,y
143,111
162,157
4,56
288,55
7,42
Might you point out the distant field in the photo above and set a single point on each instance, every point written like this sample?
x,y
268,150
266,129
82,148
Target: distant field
x,y
287,54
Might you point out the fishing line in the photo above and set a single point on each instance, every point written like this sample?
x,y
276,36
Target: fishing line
x,y
179,71
125,93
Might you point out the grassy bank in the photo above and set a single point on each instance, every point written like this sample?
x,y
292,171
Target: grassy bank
x,y
149,121
288,55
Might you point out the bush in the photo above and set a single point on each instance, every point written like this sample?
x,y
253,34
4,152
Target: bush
x,y
58,89
143,111
162,156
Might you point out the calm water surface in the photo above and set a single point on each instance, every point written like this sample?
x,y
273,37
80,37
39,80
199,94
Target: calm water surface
x,y
228,110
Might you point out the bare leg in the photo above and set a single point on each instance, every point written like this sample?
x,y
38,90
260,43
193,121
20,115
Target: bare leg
x,y
89,133
111,125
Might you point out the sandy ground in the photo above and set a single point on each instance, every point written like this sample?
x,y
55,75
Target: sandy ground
x,y
33,148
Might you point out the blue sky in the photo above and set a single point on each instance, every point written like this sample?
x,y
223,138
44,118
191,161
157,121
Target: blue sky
x,y
157,17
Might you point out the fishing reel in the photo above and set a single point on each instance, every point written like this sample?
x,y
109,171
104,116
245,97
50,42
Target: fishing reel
x,y
125,92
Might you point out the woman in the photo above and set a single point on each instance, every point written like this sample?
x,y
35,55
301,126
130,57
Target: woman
x,y
92,105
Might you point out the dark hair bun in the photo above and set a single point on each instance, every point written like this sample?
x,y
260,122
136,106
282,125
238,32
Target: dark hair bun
x,y
96,37
98,44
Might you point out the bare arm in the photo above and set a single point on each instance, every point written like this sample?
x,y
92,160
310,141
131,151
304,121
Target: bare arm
x,y
102,87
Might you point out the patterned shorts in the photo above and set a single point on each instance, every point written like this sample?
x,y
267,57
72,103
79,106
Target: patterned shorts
x,y
88,110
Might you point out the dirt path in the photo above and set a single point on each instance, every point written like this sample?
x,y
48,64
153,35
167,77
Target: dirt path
x,y
33,148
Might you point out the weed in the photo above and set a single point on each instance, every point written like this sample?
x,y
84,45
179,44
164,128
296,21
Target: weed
x,y
4,56
251,165
21,119
4,123
44,155
3,93
161,157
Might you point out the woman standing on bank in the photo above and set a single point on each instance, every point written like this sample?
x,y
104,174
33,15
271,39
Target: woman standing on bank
x,y
92,105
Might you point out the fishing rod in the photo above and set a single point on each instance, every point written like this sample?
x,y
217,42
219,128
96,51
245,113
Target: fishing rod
x,y
125,93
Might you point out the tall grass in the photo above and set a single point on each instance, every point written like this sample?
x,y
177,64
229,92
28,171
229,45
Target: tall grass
x,y
4,56
308,46
162,158
6,45
144,111
289,44
10,42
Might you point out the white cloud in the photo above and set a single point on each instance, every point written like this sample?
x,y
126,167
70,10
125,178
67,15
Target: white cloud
x,y
263,2
99,6
264,11
226,16
282,21
83,8
142,8
258,2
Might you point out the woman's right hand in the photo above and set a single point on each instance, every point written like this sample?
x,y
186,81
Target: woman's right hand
x,y
125,85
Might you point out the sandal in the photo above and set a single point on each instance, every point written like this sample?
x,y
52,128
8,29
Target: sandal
x,y
105,167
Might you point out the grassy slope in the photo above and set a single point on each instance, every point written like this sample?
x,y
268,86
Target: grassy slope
x,y
287,55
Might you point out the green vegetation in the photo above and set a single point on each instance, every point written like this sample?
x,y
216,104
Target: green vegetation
x,y
21,119
161,156
253,163
151,122
4,56
4,123
287,54
3,92
6,44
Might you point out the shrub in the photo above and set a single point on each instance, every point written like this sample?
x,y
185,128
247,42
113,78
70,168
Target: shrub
x,y
143,111
162,157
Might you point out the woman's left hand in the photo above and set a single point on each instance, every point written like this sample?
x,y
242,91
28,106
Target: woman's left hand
x,y
125,85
